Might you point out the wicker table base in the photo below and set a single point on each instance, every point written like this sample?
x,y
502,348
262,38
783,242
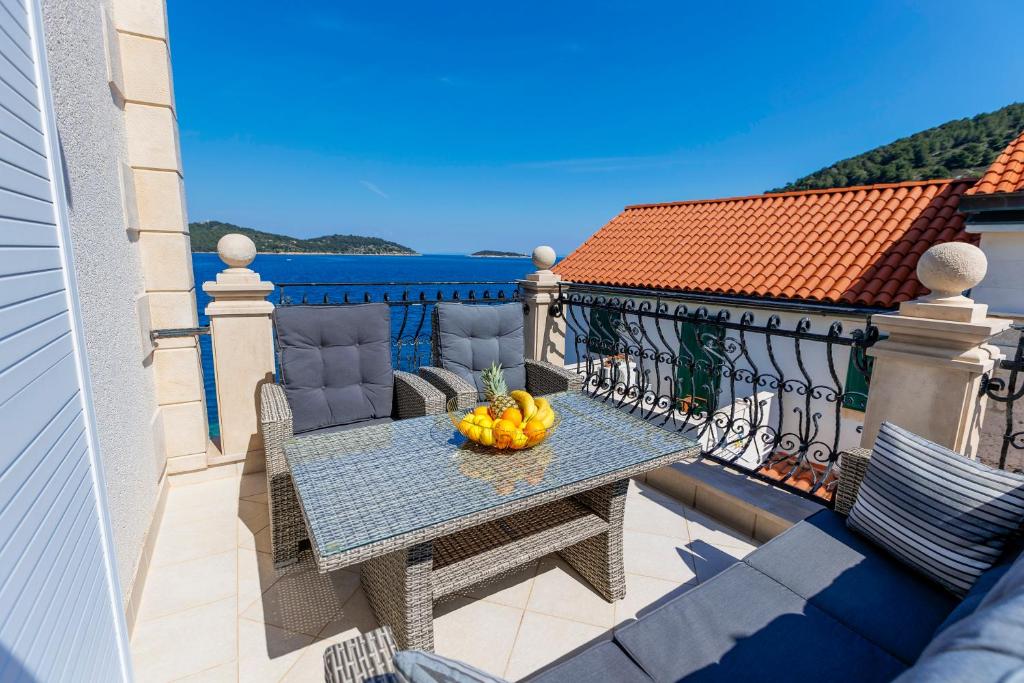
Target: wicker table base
x,y
585,529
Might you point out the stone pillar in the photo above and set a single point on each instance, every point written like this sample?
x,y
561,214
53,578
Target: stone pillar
x,y
243,348
927,375
543,333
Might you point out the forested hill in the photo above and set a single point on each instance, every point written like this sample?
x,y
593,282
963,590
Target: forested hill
x,y
957,149
204,237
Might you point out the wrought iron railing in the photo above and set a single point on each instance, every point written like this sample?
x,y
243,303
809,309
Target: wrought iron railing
x,y
774,393
412,304
1008,391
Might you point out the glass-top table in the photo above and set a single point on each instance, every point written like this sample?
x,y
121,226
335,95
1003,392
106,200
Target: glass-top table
x,y
413,498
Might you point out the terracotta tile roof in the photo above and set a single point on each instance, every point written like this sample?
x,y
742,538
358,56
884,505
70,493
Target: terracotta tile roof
x,y
1006,174
853,246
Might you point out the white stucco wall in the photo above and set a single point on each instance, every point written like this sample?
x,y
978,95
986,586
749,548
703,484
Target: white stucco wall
x,y
91,127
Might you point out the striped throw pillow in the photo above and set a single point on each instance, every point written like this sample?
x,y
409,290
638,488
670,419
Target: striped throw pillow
x,y
942,514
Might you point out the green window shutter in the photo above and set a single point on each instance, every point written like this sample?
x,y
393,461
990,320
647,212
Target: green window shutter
x,y
855,395
699,375
603,338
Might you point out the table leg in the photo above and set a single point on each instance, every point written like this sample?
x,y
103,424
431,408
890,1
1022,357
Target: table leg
x,y
398,588
599,559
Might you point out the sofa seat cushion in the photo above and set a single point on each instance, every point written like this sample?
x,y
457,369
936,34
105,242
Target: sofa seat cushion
x,y
939,512
604,661
985,583
471,337
856,583
987,645
745,626
335,363
348,427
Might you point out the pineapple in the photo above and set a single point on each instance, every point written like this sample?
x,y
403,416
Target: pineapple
x,y
496,391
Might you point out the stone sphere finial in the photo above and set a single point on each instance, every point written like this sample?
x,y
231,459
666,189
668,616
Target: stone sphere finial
x,y
543,257
950,268
236,250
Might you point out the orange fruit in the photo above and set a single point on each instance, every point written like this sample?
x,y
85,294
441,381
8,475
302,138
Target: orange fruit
x,y
513,415
504,432
535,431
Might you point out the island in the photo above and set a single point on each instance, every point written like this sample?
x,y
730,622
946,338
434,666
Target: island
x,y
205,234
488,253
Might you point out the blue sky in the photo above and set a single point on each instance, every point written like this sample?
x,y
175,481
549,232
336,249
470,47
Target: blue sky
x,y
452,127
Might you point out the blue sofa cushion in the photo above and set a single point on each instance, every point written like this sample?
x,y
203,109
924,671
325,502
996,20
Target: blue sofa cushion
x,y
984,585
604,661
945,515
987,645
856,583
427,667
744,626
472,337
335,363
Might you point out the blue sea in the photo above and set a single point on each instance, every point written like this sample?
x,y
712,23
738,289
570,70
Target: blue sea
x,y
384,271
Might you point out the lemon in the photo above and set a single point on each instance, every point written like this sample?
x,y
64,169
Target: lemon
x,y
465,424
486,436
473,433
480,410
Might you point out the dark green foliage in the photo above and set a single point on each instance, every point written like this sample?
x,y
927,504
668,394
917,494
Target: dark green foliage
x,y
204,237
492,253
958,149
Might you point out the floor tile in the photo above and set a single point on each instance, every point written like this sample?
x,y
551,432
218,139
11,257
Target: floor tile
x,y
223,673
512,589
653,512
355,617
265,652
185,643
191,540
559,591
644,593
259,498
309,667
477,632
254,515
256,574
709,560
709,530
657,556
176,587
303,600
542,639
252,484
205,501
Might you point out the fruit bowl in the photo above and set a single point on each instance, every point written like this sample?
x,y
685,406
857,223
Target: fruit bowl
x,y
524,426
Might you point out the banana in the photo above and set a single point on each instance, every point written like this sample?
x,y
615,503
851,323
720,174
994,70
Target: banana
x,y
527,405
546,416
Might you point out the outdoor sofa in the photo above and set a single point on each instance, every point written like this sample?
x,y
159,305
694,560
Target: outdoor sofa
x,y
818,602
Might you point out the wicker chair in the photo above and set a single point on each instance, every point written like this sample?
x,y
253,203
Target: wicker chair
x,y
541,377
412,397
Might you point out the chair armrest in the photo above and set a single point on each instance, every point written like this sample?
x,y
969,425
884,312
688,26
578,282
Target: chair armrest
x,y
853,465
414,396
367,657
543,377
275,417
452,386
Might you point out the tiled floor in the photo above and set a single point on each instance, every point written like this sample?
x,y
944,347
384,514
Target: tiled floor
x,y
214,609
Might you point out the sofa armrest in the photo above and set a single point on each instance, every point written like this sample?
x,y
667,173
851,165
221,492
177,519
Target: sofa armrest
x,y
275,417
452,386
543,377
414,396
367,657
853,465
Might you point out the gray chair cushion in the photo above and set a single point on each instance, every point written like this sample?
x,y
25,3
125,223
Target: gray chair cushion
x,y
856,583
744,626
987,645
335,363
472,336
604,661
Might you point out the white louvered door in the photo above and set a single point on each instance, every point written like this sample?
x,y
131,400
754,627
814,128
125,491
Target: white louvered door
x,y
60,616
